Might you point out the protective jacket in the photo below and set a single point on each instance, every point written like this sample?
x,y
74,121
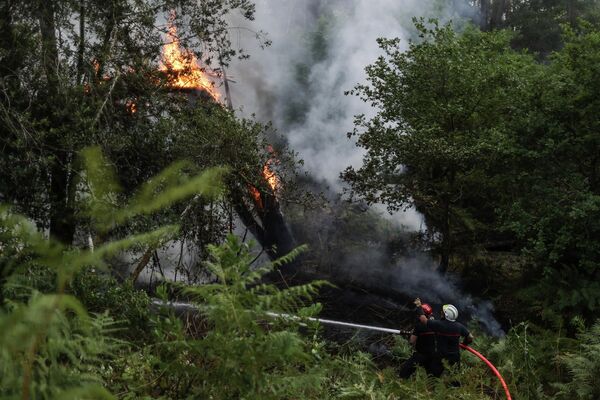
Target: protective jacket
x,y
448,334
425,339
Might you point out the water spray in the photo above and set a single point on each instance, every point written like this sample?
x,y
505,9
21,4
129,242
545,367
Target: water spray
x,y
396,332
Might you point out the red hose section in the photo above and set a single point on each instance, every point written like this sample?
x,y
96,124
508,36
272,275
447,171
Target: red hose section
x,y
491,366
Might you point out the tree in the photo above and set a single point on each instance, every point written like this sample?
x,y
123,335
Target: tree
x,y
97,82
496,150
556,211
445,110
538,22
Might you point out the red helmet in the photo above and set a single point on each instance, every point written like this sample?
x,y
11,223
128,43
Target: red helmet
x,y
427,309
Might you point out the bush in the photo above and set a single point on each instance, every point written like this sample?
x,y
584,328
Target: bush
x,y
49,346
103,293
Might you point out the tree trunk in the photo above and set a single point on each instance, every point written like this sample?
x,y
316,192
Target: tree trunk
x,y
62,225
484,12
571,12
80,51
8,63
446,246
144,260
6,68
107,40
270,230
49,45
498,10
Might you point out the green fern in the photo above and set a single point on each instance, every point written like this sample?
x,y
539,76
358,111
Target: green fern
x,y
244,353
583,367
49,346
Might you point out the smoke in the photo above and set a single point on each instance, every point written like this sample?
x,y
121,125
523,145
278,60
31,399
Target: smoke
x,y
319,50
417,277
414,275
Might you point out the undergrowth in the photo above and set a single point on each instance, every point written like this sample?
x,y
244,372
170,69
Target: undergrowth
x,y
69,330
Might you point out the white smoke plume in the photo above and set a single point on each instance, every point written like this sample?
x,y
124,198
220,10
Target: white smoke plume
x,y
296,76
298,83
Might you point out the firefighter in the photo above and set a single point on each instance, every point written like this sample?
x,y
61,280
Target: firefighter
x,y
423,341
448,333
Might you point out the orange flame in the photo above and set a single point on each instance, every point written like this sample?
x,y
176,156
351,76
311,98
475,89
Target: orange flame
x,y
183,66
270,177
131,106
255,193
268,174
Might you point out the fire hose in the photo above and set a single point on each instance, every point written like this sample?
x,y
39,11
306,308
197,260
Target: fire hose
x,y
399,332
490,366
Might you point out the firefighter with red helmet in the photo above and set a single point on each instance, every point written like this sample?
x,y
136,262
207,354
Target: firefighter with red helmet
x,y
423,341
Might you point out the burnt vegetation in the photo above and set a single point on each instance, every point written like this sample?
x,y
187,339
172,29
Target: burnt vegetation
x,y
121,158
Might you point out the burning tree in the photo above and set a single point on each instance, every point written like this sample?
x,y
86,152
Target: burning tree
x,y
99,81
262,214
269,226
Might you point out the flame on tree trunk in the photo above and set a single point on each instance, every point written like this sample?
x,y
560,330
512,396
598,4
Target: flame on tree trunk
x,y
267,224
263,216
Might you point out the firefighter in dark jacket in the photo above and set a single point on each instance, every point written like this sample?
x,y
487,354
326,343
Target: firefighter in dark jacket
x,y
423,341
448,333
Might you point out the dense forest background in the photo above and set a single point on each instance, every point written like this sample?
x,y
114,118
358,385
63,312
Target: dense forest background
x,y
485,124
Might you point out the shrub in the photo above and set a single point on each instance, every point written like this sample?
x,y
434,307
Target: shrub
x,y
103,293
